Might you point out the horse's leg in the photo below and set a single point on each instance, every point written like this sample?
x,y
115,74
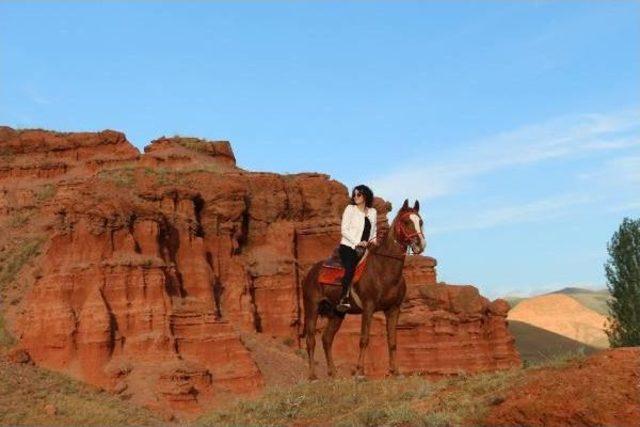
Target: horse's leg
x,y
327,342
392,315
367,314
311,317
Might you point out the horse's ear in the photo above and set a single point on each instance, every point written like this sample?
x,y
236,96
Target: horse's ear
x,y
405,205
416,206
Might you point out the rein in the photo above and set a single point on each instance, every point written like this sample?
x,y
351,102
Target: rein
x,y
398,228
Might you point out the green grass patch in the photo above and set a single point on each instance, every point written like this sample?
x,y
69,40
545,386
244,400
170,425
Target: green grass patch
x,y
122,177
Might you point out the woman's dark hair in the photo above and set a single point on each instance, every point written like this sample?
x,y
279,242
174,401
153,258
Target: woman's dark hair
x,y
366,191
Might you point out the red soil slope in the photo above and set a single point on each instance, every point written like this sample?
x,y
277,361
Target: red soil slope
x,y
603,389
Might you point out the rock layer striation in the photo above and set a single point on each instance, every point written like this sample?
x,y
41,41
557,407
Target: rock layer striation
x,y
145,269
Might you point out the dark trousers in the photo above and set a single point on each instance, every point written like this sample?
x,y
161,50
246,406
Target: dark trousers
x,y
349,260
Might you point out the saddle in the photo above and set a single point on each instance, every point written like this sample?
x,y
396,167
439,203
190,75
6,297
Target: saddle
x,y
332,270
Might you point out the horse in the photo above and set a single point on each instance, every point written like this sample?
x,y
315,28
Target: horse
x,y
380,288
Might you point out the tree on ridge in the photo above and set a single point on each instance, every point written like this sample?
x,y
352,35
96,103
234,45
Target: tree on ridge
x,y
623,281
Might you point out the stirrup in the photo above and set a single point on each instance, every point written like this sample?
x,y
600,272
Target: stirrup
x,y
343,305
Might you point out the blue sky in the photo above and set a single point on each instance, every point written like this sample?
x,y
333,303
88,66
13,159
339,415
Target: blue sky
x,y
516,124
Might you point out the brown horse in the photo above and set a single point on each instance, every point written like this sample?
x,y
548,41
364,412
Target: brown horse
x,y
380,288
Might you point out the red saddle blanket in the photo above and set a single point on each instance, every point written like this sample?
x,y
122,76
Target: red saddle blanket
x,y
332,271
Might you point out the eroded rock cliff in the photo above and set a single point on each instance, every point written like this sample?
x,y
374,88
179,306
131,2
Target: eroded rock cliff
x,y
139,272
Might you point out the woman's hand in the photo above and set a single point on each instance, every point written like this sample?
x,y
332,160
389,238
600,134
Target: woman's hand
x,y
363,244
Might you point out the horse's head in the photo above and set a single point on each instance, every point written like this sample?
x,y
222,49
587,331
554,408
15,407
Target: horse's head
x,y
408,228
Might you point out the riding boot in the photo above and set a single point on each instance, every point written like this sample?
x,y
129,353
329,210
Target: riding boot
x,y
344,305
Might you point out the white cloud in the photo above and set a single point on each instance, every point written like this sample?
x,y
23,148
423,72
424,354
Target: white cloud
x,y
435,176
538,210
453,172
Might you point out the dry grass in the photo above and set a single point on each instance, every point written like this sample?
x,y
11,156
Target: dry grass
x,y
122,177
26,390
162,175
195,144
45,192
206,168
465,399
6,339
19,219
12,260
338,402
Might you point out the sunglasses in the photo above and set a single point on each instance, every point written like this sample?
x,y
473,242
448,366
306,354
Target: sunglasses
x,y
356,194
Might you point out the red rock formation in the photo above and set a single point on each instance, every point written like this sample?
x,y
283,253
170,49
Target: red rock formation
x,y
154,264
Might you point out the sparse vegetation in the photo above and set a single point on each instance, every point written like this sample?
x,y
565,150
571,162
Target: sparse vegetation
x,y
6,339
19,219
122,177
45,192
7,154
623,281
339,402
288,341
403,401
163,176
194,144
559,359
208,168
11,262
26,390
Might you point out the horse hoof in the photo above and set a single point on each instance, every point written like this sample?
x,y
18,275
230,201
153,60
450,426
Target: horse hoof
x,y
360,378
312,378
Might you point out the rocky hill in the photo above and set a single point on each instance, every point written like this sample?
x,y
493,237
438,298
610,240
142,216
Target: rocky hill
x,y
141,273
567,320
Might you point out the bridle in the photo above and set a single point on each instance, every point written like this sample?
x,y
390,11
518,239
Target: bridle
x,y
400,232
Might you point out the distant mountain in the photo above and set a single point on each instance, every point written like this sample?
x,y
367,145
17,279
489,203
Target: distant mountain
x,y
538,345
573,290
593,299
560,321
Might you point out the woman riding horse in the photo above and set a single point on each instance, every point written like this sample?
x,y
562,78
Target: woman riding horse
x,y
380,288
358,230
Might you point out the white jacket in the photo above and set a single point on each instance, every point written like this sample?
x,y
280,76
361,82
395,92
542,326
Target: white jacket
x,y
353,225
